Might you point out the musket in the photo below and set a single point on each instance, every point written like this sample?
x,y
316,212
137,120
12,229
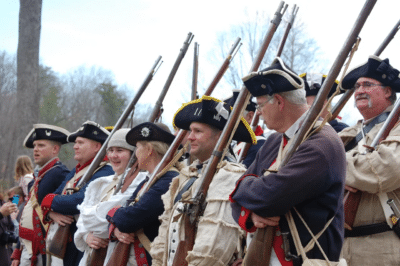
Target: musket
x,y
313,113
256,116
289,25
347,95
171,76
195,208
169,155
121,248
121,251
195,95
58,245
351,199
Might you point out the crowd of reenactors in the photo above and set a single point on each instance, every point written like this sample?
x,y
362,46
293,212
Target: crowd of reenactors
x,y
139,217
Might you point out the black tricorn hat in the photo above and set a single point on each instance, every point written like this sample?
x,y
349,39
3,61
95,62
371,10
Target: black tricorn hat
x,y
231,101
148,132
273,79
375,68
213,112
90,130
313,83
49,132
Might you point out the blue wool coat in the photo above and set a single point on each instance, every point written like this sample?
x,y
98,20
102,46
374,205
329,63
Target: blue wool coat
x,y
144,213
312,181
66,204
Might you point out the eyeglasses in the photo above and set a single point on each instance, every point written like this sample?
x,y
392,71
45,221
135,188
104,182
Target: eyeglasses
x,y
259,106
367,84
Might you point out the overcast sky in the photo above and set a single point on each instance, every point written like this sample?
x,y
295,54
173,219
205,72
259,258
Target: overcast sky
x,y
126,36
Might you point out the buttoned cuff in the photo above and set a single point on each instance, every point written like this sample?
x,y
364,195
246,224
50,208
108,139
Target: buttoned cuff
x,y
237,185
245,221
16,255
46,206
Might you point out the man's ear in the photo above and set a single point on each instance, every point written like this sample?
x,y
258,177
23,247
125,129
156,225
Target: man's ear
x,y
388,92
249,116
56,149
280,101
97,146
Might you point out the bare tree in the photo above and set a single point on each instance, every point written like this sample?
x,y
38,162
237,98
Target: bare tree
x,y
300,53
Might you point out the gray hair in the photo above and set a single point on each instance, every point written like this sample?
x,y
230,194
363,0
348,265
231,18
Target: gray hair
x,y
297,97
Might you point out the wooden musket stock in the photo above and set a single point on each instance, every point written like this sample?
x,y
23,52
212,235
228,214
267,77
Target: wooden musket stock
x,y
182,133
59,242
121,252
317,106
195,208
256,116
120,255
352,200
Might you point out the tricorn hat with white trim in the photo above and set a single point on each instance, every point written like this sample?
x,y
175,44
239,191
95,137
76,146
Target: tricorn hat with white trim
x,y
213,112
274,79
374,68
149,132
313,83
44,131
90,130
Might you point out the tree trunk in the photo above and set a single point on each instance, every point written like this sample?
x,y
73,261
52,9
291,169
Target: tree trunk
x,y
28,94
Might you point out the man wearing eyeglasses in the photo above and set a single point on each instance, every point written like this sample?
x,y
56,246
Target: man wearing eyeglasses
x,y
375,174
312,182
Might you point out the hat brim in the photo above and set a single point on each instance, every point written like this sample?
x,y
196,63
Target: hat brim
x,y
194,111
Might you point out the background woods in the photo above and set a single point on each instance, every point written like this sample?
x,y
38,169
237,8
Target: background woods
x,y
32,92
65,100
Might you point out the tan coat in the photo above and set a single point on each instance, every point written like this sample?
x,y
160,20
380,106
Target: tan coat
x,y
373,173
218,236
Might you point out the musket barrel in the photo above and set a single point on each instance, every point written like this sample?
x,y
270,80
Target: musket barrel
x,y
230,127
195,71
171,76
102,152
224,67
347,95
243,98
330,79
58,244
388,39
287,30
393,116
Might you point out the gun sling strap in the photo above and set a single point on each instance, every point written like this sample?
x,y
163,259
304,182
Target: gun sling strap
x,y
379,119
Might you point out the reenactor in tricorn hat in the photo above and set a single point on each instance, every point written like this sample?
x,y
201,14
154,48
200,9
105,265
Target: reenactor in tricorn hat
x,y
101,196
374,173
248,116
137,221
218,236
46,141
311,184
59,207
312,84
